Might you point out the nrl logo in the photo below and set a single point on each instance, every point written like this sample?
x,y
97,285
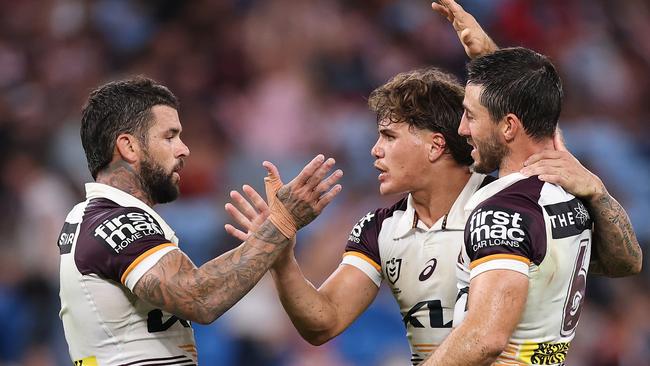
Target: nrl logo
x,y
393,267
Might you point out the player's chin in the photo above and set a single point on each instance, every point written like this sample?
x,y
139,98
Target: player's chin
x,y
386,188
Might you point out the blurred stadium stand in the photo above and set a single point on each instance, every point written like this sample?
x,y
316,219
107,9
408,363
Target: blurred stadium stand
x,y
283,80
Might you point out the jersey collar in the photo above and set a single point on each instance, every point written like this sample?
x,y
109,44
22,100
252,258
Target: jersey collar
x,y
456,217
100,190
492,189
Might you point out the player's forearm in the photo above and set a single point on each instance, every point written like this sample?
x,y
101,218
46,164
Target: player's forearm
x,y
310,311
619,253
203,294
466,346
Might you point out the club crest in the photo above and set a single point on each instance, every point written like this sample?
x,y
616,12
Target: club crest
x,y
393,268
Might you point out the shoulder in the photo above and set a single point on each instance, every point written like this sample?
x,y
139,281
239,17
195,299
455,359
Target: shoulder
x,y
112,237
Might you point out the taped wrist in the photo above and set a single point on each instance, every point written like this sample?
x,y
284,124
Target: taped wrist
x,y
280,216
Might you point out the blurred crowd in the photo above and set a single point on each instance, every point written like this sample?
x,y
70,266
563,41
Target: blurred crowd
x,y
283,80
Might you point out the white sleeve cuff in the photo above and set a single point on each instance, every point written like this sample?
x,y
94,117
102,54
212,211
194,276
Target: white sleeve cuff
x,y
509,264
141,268
364,266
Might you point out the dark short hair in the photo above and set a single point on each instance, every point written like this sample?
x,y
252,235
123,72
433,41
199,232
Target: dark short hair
x,y
519,81
116,108
426,99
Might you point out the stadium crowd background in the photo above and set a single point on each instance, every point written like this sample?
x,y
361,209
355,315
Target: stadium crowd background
x,y
283,80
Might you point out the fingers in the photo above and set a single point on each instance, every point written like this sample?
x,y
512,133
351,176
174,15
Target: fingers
x,y
236,233
546,154
256,199
272,170
308,170
239,217
442,10
328,197
558,140
453,7
318,175
325,184
543,168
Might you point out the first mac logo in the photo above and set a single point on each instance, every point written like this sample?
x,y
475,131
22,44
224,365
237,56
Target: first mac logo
x,y
124,229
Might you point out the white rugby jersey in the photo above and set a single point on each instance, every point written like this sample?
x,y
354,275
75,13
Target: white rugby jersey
x,y
107,243
418,262
535,228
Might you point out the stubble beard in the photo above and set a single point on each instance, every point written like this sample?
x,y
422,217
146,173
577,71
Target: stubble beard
x,y
159,184
491,154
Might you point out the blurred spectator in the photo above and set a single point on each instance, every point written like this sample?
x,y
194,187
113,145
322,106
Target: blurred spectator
x,y
282,80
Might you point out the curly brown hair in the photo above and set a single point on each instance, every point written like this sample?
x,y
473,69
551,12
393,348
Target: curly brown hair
x,y
426,99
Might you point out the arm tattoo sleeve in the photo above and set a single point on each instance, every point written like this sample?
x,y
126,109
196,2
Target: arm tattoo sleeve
x,y
617,249
203,294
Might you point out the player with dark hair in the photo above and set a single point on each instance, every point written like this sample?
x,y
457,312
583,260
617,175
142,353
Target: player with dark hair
x,y
127,290
527,242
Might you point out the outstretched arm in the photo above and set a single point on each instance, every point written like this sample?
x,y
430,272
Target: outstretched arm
x,y
473,38
617,250
175,285
318,314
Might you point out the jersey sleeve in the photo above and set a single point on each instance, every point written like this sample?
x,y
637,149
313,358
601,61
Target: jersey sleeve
x,y
120,244
362,249
505,233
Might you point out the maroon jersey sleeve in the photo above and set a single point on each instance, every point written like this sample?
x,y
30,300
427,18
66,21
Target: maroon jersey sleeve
x,y
364,237
509,225
112,237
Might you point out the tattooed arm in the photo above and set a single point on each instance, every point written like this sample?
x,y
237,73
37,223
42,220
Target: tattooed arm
x,y
616,250
202,294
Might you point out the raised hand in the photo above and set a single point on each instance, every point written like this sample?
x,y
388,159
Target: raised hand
x,y
560,167
473,38
297,203
248,216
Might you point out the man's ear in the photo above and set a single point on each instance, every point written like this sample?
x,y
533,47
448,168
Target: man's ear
x,y
128,147
438,146
510,127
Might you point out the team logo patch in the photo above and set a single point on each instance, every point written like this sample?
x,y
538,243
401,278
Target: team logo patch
x,y
393,268
355,235
66,238
120,231
496,227
568,218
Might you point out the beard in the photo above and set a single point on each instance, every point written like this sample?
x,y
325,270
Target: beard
x,y
491,154
157,182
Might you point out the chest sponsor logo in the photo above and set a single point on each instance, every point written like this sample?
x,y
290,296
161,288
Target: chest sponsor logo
x,y
568,218
393,268
496,227
67,237
355,235
120,231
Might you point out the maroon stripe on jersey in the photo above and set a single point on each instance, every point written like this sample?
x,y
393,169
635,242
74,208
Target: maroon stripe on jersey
x,y
111,237
364,237
510,222
175,361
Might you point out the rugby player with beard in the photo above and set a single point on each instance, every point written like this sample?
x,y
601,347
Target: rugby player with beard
x,y
128,293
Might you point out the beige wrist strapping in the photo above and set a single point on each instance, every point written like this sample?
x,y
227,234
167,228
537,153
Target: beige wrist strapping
x,y
280,216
